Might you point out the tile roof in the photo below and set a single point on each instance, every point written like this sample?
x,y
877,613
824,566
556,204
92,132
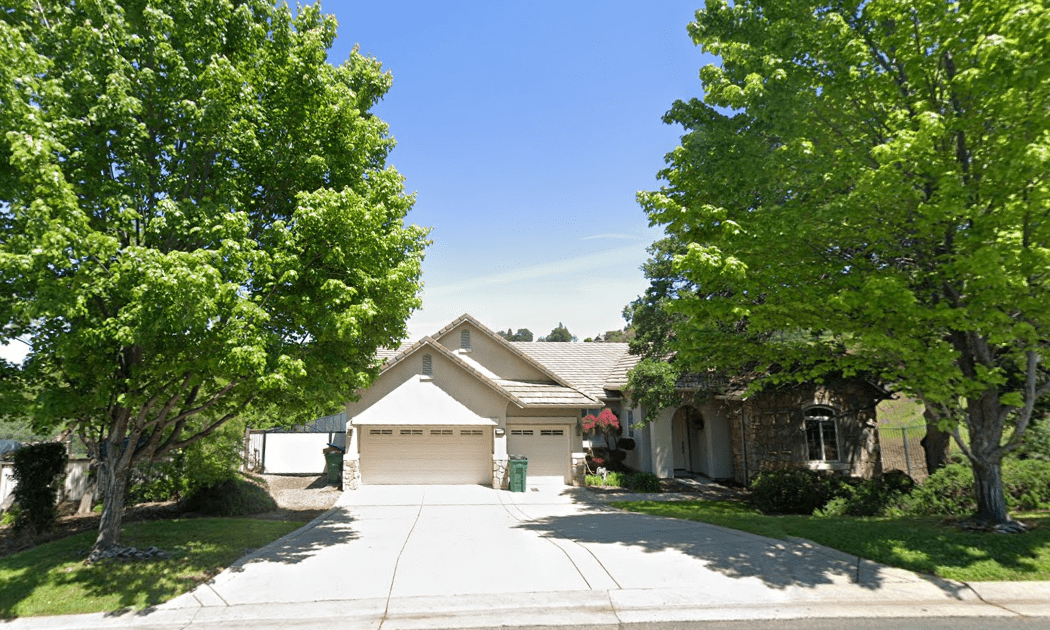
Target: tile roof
x,y
585,366
617,378
546,394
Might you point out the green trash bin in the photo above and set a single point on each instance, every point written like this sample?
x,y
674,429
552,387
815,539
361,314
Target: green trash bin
x,y
518,468
333,458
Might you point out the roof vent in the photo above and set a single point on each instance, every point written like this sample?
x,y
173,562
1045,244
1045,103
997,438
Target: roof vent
x,y
428,365
464,340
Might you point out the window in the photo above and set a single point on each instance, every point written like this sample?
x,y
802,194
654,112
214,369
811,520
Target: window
x,y
441,432
472,432
411,431
464,340
821,434
380,432
630,423
552,432
521,431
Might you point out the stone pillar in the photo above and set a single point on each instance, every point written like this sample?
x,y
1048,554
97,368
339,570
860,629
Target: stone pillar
x,y
351,473
579,469
500,481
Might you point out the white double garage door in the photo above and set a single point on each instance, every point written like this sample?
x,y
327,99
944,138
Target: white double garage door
x,y
458,454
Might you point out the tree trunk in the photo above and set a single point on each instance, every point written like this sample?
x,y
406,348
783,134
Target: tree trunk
x,y
113,481
936,443
991,501
986,457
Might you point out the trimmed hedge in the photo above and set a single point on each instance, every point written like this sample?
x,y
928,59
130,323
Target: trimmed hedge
x,y
233,497
40,472
795,490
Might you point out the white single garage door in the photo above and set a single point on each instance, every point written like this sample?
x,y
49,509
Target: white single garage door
x,y
546,447
426,455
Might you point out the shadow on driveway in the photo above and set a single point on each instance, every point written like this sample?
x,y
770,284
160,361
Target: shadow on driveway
x,y
631,545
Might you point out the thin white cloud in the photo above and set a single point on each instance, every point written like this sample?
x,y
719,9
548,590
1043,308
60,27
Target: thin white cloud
x,y
571,265
630,237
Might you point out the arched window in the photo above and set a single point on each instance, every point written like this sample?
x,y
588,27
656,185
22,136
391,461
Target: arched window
x,y
428,365
822,436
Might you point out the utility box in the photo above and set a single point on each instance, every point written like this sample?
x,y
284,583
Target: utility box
x,y
518,472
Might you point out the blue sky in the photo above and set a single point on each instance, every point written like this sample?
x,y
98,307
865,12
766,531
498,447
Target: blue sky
x,y
525,130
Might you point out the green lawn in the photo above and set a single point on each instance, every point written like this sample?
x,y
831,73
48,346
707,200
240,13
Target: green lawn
x,y
917,544
53,580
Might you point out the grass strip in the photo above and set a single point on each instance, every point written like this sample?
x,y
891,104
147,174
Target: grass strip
x,y
924,545
52,578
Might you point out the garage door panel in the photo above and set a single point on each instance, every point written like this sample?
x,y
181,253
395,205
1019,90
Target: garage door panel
x,y
426,455
547,449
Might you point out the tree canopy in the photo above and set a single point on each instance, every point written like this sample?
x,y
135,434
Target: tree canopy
x,y
865,186
560,334
523,334
195,219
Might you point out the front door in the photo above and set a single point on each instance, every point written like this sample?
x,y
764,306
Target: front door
x,y
680,438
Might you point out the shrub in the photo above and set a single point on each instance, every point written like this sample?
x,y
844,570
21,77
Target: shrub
x,y
1027,484
1036,443
795,490
611,480
625,444
950,490
643,482
204,463
869,497
233,497
40,472
947,491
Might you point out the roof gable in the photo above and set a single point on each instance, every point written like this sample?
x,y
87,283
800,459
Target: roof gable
x,y
495,354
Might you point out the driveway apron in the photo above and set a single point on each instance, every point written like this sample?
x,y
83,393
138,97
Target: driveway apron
x,y
406,552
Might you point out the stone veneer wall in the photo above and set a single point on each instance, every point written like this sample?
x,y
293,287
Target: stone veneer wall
x,y
772,427
351,473
579,469
500,479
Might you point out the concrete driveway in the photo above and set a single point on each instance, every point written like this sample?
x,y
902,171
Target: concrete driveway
x,y
468,556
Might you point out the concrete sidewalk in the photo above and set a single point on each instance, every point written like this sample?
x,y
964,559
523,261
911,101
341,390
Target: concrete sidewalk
x,y
462,556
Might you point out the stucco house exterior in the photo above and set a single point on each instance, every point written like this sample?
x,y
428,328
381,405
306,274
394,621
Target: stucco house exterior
x,y
452,407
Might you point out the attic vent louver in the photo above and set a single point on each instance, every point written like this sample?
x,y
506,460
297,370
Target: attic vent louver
x,y
464,340
428,365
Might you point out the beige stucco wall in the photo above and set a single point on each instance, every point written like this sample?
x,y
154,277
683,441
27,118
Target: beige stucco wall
x,y
491,354
449,377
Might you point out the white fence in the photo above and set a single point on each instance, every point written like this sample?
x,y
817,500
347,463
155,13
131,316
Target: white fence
x,y
76,486
290,453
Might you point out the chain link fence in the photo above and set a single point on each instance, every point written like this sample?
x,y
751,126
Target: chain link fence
x,y
902,450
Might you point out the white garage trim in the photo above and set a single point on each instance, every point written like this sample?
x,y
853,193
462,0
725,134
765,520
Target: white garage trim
x,y
426,454
547,449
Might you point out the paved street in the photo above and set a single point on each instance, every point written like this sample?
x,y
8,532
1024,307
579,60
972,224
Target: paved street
x,y
469,556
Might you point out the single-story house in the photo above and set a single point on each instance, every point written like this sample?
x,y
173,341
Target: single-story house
x,y
454,406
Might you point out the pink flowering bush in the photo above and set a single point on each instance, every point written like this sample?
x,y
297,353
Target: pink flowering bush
x,y
605,423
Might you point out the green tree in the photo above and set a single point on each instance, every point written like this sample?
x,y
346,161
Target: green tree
x,y
560,334
523,334
866,186
196,220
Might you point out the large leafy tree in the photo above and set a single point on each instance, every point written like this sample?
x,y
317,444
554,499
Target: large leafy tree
x,y
866,186
196,219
